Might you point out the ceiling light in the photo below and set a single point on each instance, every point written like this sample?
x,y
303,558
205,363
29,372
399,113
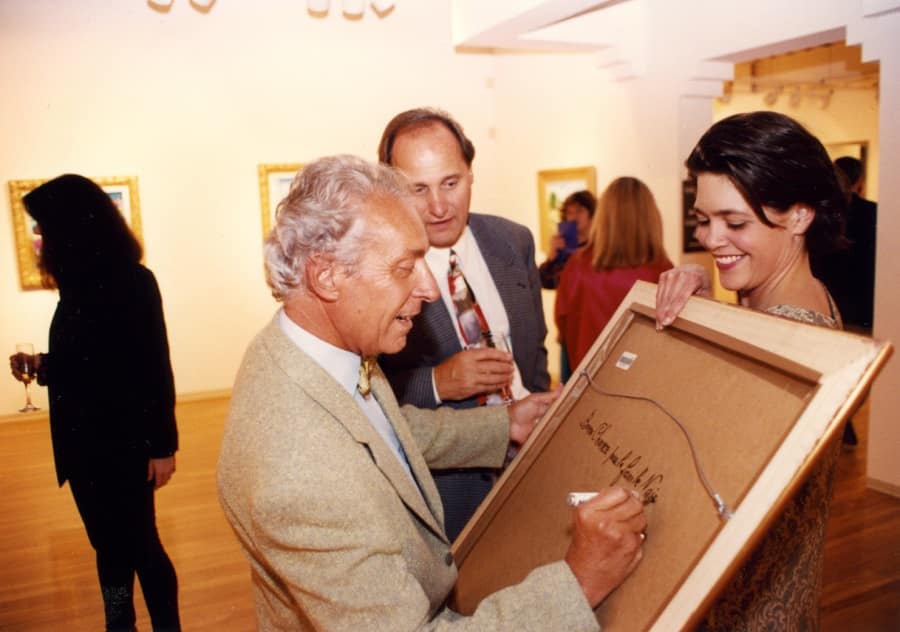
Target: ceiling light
x,y
354,8
772,96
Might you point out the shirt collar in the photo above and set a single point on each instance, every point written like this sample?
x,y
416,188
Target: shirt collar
x,y
438,259
340,364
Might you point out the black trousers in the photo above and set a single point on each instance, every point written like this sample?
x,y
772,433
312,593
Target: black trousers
x,y
120,518
461,492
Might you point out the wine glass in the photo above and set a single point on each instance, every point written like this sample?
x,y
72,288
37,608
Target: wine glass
x,y
24,362
502,342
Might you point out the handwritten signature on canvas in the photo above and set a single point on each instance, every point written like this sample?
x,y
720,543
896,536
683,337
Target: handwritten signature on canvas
x,y
628,464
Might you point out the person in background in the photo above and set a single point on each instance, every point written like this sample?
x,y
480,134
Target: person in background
x,y
576,213
849,274
490,293
111,392
624,245
324,476
577,208
768,198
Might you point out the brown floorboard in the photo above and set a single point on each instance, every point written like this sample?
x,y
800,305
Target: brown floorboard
x,y
48,581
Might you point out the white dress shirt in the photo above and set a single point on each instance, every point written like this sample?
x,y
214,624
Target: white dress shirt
x,y
482,283
343,366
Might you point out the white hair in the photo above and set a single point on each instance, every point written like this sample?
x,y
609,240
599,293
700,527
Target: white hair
x,y
324,201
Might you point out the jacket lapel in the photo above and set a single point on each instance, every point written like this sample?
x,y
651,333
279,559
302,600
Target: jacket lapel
x,y
322,388
511,280
508,274
439,325
381,388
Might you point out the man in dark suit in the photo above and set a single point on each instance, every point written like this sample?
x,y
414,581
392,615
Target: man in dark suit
x,y
849,274
438,367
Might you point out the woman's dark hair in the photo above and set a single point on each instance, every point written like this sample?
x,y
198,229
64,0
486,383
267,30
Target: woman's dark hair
x,y
418,118
582,198
83,234
775,162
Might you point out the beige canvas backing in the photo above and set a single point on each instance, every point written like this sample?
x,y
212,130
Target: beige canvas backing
x,y
741,400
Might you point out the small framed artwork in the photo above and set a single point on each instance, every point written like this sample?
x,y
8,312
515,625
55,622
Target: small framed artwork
x,y
122,189
274,184
554,186
858,149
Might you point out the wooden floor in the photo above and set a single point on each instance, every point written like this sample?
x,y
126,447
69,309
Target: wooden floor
x,y
47,573
48,581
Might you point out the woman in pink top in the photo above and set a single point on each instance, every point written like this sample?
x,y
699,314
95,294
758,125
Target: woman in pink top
x,y
624,245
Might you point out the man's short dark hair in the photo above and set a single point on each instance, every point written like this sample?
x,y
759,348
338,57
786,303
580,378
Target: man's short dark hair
x,y
851,167
582,198
418,118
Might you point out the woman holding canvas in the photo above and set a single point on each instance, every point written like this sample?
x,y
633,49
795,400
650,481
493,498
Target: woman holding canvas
x,y
768,196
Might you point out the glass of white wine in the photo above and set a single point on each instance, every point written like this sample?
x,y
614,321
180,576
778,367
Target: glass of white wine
x,y
503,342
25,365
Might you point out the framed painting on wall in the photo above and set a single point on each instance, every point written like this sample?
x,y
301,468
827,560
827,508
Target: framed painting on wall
x,y
122,189
554,186
855,149
274,183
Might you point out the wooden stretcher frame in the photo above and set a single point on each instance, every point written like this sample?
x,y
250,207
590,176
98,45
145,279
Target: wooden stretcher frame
x,y
838,368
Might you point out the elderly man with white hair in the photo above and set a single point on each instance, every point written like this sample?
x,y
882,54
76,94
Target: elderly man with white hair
x,y
325,478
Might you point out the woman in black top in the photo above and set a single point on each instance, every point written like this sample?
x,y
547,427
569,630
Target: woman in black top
x,y
111,391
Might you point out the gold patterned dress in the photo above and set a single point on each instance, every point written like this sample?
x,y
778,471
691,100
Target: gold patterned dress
x,y
778,588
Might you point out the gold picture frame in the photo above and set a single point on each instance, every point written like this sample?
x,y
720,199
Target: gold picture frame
x,y
122,189
274,183
554,186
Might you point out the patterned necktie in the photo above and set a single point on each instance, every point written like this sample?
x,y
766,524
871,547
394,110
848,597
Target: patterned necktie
x,y
472,324
366,366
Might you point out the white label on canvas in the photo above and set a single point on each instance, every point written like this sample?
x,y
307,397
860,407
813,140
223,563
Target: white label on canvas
x,y
626,360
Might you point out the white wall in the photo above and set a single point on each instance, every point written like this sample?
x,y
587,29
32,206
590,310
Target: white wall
x,y
191,103
884,432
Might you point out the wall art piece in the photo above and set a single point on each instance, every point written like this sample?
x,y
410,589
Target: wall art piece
x,y
122,189
274,184
554,186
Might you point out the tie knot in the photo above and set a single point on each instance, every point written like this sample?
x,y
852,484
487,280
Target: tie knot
x,y
366,366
